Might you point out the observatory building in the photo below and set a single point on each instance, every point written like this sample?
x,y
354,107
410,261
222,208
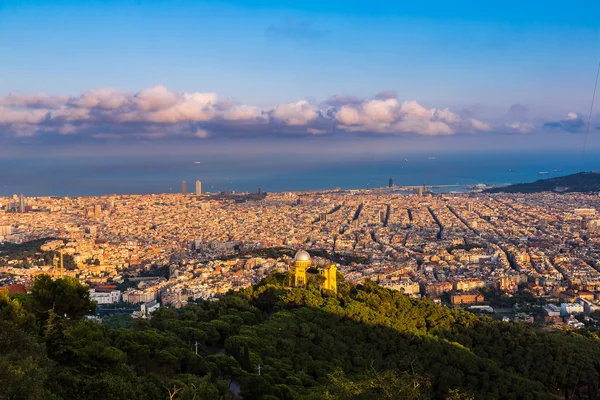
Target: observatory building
x,y
303,270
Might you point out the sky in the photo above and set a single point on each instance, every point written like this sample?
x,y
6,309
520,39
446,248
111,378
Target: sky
x,y
133,77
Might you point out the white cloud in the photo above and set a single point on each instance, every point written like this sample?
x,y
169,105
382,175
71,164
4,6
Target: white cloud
x,y
41,100
447,116
105,98
314,131
155,98
201,133
572,116
294,114
479,125
158,112
521,127
22,116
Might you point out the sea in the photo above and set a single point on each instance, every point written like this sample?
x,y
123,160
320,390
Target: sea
x,y
94,176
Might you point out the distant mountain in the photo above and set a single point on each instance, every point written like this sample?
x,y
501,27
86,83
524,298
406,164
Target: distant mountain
x,y
581,182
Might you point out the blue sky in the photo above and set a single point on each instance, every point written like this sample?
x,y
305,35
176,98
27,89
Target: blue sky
x,y
477,58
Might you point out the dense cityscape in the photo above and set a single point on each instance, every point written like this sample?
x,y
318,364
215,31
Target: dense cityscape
x,y
460,249
301,200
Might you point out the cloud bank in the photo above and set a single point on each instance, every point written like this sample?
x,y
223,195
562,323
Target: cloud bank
x,y
157,112
573,123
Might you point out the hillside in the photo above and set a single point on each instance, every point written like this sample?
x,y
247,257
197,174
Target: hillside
x,y
581,182
365,342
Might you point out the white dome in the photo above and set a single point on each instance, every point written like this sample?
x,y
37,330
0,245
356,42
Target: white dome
x,y
302,256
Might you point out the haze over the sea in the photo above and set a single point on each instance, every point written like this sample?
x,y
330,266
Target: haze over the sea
x,y
92,176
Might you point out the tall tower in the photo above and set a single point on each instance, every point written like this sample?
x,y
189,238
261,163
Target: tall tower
x,y
21,203
198,188
330,274
183,187
391,183
302,262
420,191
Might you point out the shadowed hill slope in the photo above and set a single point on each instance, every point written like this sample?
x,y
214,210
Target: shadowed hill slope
x,y
277,343
581,182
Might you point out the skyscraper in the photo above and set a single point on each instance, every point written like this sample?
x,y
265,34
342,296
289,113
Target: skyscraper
x,y
259,190
198,188
421,191
184,187
21,203
391,182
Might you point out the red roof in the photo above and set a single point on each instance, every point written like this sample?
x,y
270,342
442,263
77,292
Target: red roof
x,y
15,289
105,288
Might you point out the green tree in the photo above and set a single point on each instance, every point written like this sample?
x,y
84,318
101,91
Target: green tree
x,y
23,364
66,296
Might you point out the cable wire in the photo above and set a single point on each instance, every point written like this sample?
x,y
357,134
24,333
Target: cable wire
x,y
587,128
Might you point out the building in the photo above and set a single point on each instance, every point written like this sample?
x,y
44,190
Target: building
x,y
21,203
551,310
183,187
573,323
405,286
93,211
585,212
391,183
571,308
149,307
105,296
552,314
420,191
468,284
437,289
198,188
594,224
260,191
466,298
14,289
303,270
139,296
588,305
5,230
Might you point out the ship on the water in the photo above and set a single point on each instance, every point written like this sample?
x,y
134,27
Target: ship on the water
x,y
543,173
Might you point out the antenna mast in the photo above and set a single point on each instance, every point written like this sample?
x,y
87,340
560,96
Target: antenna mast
x,y
587,128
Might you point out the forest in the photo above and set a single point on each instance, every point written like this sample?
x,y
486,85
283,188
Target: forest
x,y
272,342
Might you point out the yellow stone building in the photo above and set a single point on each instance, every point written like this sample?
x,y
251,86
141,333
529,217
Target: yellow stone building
x,y
303,268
